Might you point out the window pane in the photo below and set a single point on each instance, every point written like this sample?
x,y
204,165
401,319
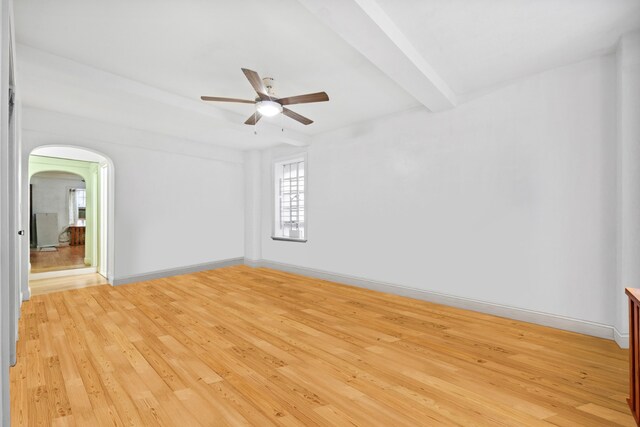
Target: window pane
x,y
290,200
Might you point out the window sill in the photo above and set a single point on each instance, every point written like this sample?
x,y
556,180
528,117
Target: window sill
x,y
287,239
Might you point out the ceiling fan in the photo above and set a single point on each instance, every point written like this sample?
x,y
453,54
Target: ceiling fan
x,y
267,104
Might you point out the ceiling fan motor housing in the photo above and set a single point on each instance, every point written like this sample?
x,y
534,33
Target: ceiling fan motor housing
x,y
268,84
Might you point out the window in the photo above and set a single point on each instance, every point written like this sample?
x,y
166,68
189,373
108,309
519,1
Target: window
x,y
289,218
77,205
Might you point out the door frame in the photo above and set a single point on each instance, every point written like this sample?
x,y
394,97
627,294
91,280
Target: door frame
x,y
10,218
105,242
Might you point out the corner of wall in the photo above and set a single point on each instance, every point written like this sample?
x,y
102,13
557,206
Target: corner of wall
x,y
621,339
253,263
628,178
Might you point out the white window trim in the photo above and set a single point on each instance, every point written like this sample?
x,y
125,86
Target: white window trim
x,y
297,156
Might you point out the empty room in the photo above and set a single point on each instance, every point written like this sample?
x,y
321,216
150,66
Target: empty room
x,y
320,213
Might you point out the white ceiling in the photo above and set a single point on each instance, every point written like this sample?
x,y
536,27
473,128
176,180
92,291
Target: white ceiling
x,y
160,56
476,44
197,47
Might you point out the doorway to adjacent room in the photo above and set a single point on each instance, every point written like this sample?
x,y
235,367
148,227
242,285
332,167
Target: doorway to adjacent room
x,y
70,197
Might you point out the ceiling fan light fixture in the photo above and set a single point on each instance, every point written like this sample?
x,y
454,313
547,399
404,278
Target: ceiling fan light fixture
x,y
268,108
267,104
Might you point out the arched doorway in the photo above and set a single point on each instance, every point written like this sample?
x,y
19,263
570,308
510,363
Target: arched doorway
x,y
96,170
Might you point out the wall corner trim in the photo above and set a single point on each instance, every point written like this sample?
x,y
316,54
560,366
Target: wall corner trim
x,y
545,319
255,263
620,338
160,274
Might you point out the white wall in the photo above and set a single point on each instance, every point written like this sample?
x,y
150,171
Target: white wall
x,y
509,198
628,142
51,195
177,203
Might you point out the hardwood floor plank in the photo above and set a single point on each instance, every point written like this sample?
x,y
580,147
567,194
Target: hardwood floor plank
x,y
607,414
242,346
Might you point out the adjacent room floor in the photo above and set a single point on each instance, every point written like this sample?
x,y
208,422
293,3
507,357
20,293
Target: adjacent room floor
x,y
54,259
242,346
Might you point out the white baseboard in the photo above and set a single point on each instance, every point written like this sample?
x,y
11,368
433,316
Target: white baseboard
x,y
622,339
62,273
160,274
516,313
255,263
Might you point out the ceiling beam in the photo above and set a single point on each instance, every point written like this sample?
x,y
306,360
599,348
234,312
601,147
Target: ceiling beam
x,y
366,26
44,65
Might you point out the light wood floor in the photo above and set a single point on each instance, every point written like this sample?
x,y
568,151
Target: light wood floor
x,y
57,284
64,258
240,346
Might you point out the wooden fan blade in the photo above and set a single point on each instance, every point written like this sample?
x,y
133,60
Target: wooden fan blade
x,y
253,119
218,99
304,99
296,116
257,83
